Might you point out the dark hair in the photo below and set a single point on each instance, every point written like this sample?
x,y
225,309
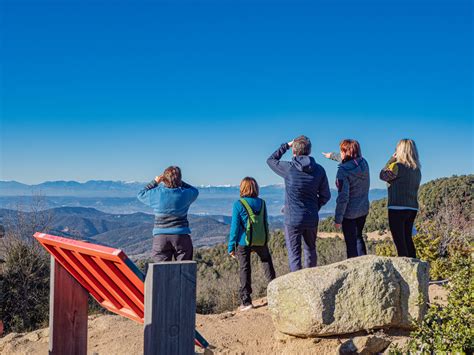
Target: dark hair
x,y
248,187
301,146
172,177
351,149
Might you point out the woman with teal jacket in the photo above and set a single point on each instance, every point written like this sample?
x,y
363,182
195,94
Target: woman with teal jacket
x,y
249,233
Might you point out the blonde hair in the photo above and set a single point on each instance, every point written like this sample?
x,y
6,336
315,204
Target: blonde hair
x,y
407,154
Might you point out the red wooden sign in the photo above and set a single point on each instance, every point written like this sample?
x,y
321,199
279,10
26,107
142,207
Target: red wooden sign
x,y
107,273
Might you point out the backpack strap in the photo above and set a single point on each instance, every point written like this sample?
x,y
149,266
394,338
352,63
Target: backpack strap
x,y
249,209
251,218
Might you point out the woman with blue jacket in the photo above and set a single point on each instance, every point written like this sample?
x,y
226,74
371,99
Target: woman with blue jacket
x,y
352,204
170,198
249,233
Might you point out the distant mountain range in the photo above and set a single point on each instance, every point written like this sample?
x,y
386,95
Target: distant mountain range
x,y
108,212
92,188
100,188
120,197
130,232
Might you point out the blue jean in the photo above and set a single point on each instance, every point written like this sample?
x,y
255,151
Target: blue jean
x,y
293,236
352,230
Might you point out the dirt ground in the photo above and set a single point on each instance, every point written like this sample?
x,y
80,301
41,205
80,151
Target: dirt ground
x,y
371,236
250,332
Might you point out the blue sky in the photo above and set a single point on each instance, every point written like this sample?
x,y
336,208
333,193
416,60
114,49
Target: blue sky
x,y
119,90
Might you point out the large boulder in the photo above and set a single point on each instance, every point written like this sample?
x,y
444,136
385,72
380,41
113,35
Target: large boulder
x,y
363,293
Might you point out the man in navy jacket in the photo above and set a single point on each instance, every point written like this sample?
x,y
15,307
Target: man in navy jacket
x,y
306,191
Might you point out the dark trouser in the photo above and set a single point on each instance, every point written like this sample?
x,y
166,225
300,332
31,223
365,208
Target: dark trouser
x,y
167,246
401,226
352,230
293,236
243,255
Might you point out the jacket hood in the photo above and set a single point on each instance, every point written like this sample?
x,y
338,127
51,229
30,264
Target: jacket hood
x,y
356,167
304,163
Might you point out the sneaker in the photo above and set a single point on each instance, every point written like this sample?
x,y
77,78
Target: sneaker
x,y
245,307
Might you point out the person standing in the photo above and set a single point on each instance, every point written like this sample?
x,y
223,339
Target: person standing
x,y
403,176
170,198
352,208
249,233
306,191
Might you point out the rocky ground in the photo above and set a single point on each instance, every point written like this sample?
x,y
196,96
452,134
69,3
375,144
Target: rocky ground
x,y
370,236
249,332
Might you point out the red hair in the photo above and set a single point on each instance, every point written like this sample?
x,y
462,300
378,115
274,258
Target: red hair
x,y
351,149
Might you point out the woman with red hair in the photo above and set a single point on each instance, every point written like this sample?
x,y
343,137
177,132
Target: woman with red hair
x,y
352,182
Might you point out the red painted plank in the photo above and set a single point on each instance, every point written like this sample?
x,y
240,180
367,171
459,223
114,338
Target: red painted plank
x,y
102,271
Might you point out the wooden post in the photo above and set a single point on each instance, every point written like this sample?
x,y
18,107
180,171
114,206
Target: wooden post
x,y
170,308
67,313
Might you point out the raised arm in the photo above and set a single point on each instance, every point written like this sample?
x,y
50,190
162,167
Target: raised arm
x,y
279,167
333,156
390,170
144,194
193,193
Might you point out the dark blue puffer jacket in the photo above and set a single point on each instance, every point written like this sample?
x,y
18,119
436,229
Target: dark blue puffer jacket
x,y
353,182
306,187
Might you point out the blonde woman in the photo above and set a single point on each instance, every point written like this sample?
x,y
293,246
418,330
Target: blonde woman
x,y
402,174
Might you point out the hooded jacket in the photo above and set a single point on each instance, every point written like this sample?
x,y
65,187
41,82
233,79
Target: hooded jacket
x,y
306,187
353,182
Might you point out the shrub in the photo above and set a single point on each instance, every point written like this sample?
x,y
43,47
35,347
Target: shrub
x,y
449,328
327,225
25,287
377,219
445,235
385,248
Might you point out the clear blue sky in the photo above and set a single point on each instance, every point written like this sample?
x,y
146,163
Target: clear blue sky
x,y
119,90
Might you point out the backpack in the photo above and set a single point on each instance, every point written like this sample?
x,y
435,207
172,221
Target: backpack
x,y
257,226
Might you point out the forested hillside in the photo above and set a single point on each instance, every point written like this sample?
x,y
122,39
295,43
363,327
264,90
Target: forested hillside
x,y
130,232
435,197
